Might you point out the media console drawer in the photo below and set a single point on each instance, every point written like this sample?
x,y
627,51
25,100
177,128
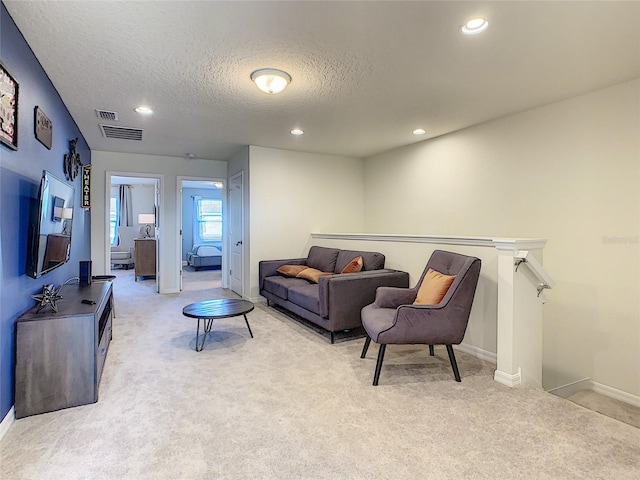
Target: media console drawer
x,y
60,356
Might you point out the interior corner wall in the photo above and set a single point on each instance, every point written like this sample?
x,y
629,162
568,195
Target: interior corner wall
x,y
568,172
294,194
20,174
137,164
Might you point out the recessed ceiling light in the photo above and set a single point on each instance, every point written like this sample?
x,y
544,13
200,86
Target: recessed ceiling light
x,y
419,131
474,26
297,131
143,110
270,80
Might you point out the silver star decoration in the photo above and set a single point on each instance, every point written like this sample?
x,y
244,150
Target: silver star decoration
x,y
48,298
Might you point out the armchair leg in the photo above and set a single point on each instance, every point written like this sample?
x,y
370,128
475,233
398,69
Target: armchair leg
x,y
376,375
367,341
454,365
431,350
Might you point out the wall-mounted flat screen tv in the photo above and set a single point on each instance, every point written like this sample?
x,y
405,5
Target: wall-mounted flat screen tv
x,y
50,228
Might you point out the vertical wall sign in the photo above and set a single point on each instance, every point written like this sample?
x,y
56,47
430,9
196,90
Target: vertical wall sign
x,y
8,109
86,186
43,128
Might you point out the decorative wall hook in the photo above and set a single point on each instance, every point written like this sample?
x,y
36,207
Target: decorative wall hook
x,y
72,162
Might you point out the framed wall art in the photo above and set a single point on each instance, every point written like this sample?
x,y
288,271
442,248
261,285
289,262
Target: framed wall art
x,y
43,128
8,109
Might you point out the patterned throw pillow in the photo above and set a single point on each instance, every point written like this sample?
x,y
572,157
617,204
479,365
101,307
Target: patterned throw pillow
x,y
312,274
291,270
353,266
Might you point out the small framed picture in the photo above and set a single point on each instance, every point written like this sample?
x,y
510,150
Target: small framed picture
x,y
43,128
8,109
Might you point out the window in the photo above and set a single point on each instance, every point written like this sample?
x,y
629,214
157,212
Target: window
x,y
208,220
113,221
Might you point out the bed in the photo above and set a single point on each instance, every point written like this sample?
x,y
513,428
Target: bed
x,y
204,256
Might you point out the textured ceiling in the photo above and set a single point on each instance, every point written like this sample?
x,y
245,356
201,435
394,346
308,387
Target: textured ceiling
x,y
365,74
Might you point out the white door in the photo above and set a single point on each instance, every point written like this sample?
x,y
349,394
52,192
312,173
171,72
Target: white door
x,y
236,233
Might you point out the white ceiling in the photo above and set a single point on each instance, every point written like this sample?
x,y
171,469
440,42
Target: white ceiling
x,y
365,74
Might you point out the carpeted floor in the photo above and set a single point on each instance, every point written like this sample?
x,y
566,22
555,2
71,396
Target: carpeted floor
x,y
289,405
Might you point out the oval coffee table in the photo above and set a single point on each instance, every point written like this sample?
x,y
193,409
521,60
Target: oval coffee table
x,y
210,310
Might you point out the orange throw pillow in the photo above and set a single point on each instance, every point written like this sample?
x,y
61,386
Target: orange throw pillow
x,y
434,287
312,274
354,266
291,270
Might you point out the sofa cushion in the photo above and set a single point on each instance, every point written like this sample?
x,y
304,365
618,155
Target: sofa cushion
x,y
354,266
324,259
370,260
434,287
306,296
312,274
279,286
291,270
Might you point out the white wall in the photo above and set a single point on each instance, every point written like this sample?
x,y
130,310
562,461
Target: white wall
x,y
169,168
142,200
569,172
293,194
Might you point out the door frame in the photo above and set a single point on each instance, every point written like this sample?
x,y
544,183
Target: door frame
x,y
241,212
179,184
159,207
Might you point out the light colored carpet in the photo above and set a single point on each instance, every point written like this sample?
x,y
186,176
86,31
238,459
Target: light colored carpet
x,y
289,405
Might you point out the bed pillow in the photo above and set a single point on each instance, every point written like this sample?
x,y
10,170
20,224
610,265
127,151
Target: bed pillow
x,y
354,266
291,270
433,288
312,274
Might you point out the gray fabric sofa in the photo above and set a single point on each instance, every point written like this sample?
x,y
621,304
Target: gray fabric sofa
x,y
334,303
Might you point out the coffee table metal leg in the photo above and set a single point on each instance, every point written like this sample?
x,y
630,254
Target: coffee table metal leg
x,y
206,327
247,322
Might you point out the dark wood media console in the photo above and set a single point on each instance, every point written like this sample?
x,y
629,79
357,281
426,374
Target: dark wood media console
x,y
60,356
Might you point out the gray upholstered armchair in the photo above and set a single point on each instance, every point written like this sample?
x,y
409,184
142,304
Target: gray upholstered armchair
x,y
122,254
394,319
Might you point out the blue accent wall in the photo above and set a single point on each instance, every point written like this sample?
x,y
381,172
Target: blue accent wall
x,y
20,173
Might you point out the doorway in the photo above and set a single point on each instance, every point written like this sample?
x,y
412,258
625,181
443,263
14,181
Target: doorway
x,y
134,203
201,206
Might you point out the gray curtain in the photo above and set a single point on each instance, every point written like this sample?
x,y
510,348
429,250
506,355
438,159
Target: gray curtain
x,y
195,228
125,215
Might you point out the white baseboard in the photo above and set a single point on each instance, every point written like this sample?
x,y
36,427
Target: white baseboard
x,y
478,352
6,422
616,394
508,379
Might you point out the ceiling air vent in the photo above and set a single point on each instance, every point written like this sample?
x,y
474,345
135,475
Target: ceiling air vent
x,y
107,115
122,133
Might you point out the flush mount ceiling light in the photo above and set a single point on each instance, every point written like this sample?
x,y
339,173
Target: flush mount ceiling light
x,y
143,110
419,131
297,131
270,80
474,26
